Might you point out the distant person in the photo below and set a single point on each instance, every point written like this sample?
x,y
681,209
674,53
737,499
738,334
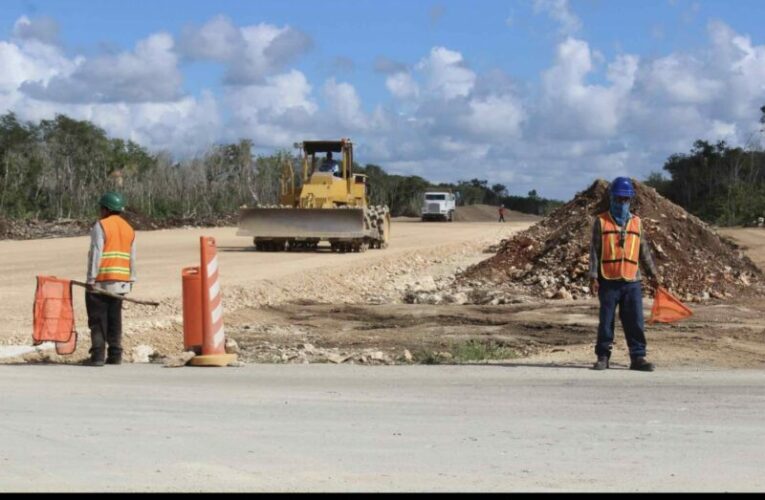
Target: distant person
x,y
618,246
329,165
111,268
501,213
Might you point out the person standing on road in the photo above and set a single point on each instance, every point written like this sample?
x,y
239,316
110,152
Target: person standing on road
x,y
111,268
501,213
618,246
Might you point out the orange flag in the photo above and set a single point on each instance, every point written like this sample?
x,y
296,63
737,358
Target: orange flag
x,y
667,308
54,314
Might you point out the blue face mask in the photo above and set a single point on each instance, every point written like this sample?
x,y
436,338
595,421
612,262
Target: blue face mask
x,y
620,211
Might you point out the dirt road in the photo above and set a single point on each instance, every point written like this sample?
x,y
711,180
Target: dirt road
x,y
751,239
249,278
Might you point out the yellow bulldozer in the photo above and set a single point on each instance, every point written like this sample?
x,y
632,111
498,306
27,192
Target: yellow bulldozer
x,y
327,202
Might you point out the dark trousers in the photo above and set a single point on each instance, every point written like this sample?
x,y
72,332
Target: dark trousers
x,y
501,218
629,297
105,322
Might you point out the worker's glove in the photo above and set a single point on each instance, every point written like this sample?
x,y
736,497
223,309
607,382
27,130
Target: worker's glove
x,y
594,286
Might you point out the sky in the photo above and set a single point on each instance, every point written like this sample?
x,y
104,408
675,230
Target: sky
x,y
533,94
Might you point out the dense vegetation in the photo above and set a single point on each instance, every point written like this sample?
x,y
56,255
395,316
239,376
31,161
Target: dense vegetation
x,y
716,182
58,168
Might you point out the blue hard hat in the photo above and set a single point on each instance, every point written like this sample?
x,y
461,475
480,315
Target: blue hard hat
x,y
622,186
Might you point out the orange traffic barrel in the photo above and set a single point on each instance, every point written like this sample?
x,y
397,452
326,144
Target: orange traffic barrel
x,y
213,334
192,309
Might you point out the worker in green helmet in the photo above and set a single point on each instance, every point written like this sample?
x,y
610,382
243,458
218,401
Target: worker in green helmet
x,y
111,268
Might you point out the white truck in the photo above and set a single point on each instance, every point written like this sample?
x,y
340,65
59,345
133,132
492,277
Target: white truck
x,y
438,205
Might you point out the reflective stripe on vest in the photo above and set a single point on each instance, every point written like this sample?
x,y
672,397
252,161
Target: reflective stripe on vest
x,y
620,253
115,258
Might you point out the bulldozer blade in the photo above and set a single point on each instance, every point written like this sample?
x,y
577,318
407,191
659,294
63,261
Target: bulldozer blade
x,y
301,223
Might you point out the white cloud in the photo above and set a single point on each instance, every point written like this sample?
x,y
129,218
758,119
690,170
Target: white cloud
x,y
274,113
250,53
446,73
560,12
402,86
572,108
344,104
148,74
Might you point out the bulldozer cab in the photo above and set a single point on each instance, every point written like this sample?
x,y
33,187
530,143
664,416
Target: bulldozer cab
x,y
324,158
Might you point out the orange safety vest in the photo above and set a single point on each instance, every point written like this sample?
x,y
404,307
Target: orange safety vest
x,y
619,261
115,258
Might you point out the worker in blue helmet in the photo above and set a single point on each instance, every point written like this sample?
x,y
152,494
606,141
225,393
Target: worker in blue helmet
x,y
617,250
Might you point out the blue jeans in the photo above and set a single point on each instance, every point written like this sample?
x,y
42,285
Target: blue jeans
x,y
629,297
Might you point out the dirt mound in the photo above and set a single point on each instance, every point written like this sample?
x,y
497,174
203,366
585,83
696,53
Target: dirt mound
x,y
551,259
488,213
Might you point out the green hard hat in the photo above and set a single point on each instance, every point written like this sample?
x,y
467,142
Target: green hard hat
x,y
113,201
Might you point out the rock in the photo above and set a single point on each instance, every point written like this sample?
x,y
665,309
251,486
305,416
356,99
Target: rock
x,y
179,360
336,358
378,356
231,346
446,356
142,353
309,348
408,356
236,364
426,284
563,294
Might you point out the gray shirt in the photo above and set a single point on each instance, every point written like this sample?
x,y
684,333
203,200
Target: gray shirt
x,y
596,247
94,260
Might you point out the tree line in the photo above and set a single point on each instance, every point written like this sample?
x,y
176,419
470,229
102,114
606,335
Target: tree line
x,y
721,184
58,168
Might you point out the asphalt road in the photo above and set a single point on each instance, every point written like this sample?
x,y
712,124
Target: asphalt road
x,y
385,428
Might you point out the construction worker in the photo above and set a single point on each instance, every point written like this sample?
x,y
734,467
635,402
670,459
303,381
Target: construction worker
x,y
330,165
111,268
618,246
501,213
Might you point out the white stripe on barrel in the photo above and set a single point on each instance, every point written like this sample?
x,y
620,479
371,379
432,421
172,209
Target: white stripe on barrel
x,y
217,314
214,290
219,336
212,266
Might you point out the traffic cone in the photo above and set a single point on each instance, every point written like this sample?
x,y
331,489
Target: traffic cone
x,y
213,335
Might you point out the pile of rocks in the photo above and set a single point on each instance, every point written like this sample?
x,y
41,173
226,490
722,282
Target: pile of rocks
x,y
32,229
305,353
551,259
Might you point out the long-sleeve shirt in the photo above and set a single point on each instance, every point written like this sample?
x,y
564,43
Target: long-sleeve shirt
x,y
94,260
596,248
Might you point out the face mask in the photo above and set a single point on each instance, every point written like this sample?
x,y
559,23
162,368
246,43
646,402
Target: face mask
x,y
620,211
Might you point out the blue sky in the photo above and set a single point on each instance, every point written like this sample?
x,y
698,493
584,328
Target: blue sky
x,y
530,93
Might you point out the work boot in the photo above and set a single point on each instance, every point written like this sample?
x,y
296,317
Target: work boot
x,y
601,364
641,364
93,362
114,360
